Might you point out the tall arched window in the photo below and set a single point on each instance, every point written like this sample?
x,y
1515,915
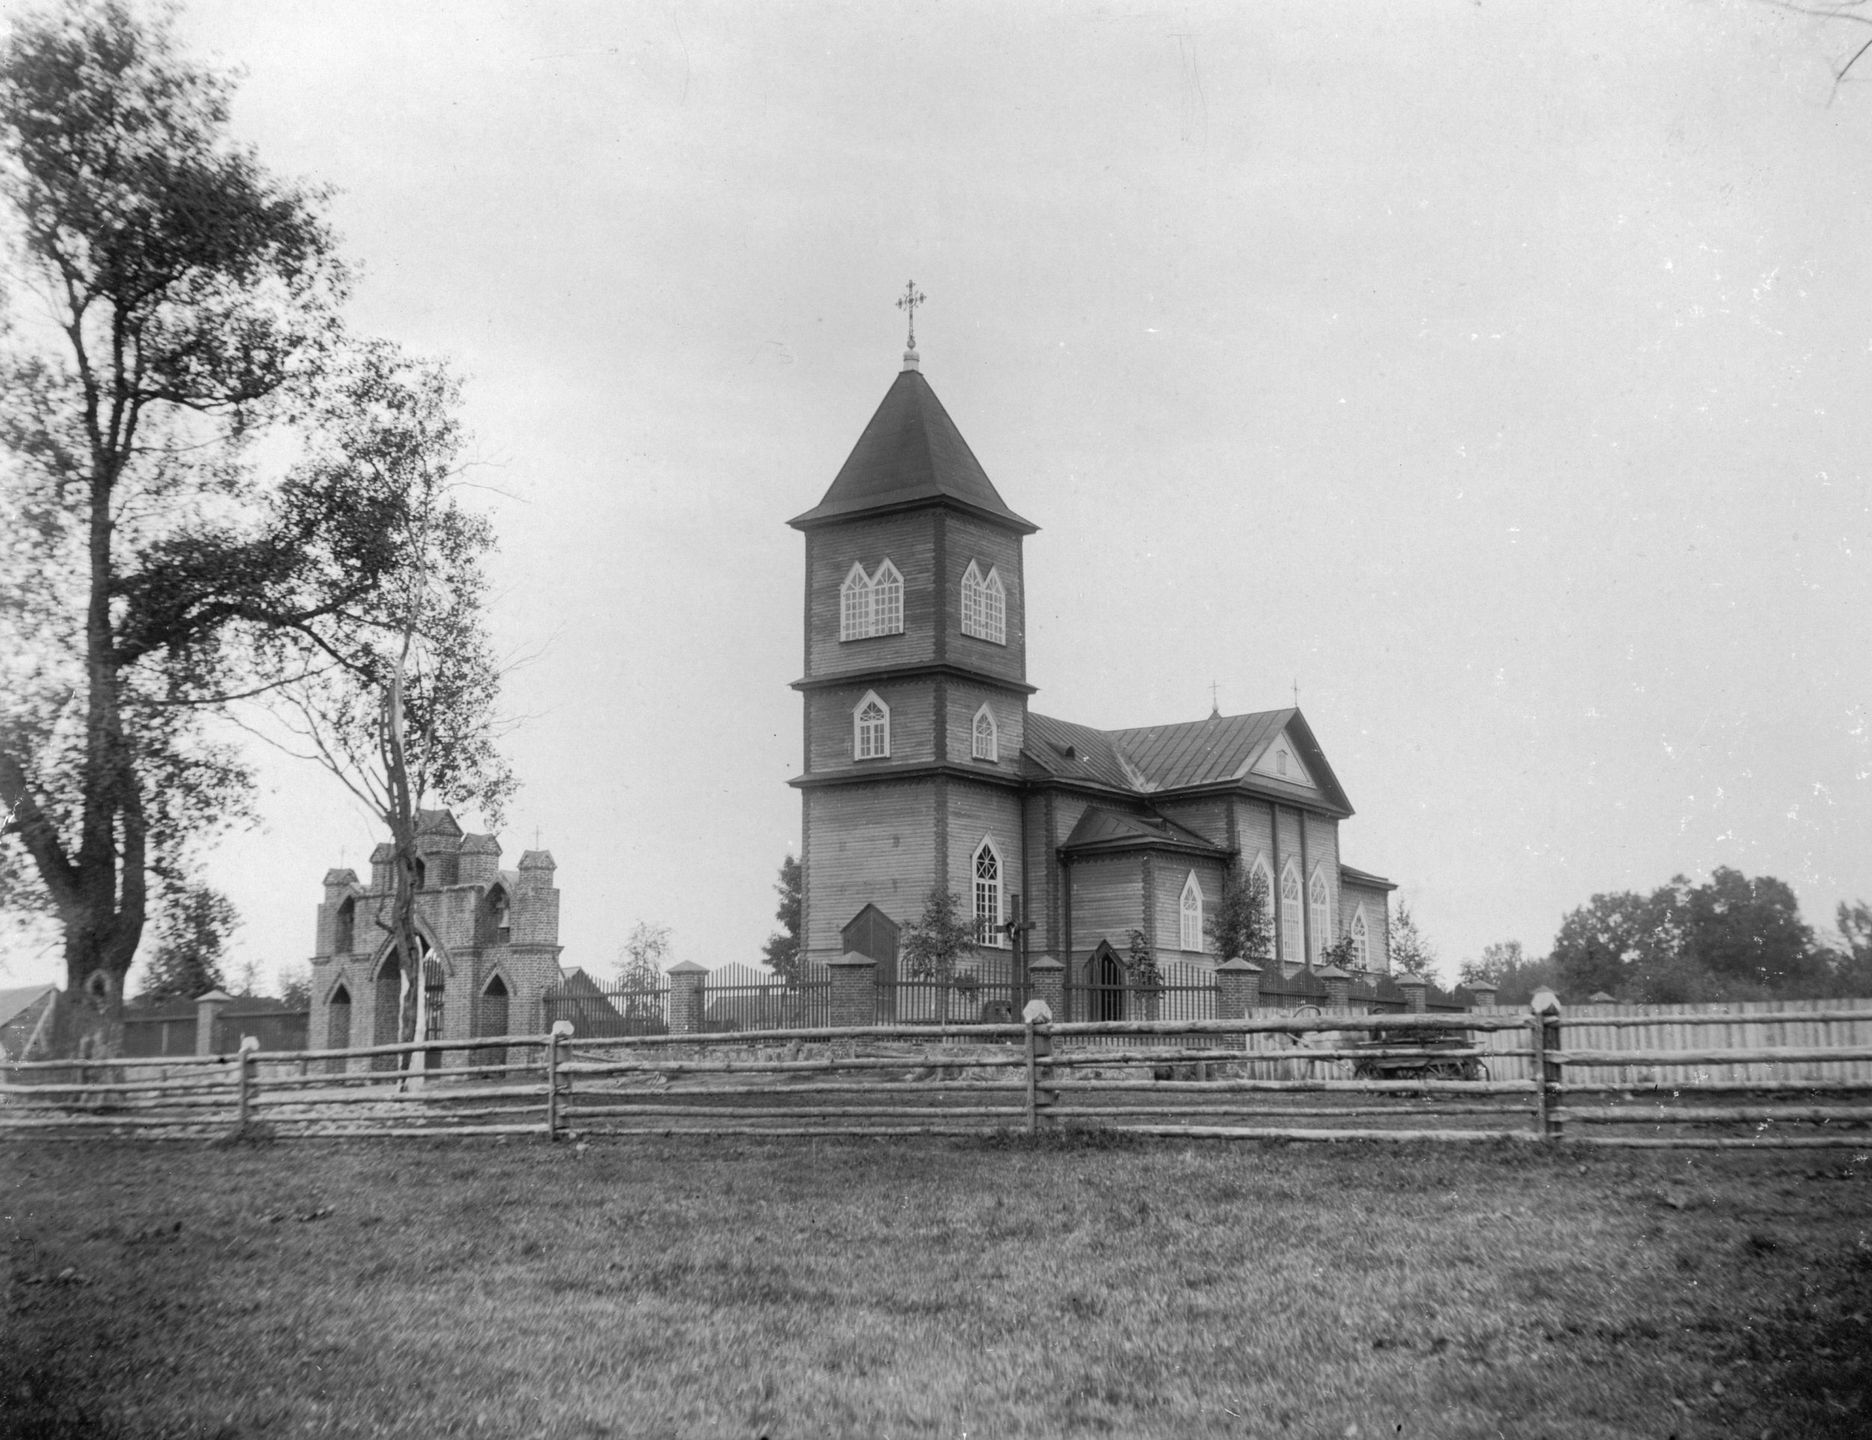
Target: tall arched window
x,y
984,604
1361,940
887,601
870,728
1192,914
855,605
344,930
987,736
1293,931
988,896
1322,926
1267,894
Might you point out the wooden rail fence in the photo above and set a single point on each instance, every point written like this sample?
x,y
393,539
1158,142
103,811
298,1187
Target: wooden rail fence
x,y
1583,1078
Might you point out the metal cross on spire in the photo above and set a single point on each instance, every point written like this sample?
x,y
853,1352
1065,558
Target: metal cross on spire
x,y
908,302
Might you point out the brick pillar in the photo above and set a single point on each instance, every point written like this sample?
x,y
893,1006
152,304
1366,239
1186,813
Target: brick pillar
x,y
1416,993
685,998
854,990
1338,987
1047,977
1238,990
1484,997
208,1010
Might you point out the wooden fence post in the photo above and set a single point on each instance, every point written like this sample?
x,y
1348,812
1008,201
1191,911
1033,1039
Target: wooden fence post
x,y
1544,1040
245,1077
1039,1047
560,1030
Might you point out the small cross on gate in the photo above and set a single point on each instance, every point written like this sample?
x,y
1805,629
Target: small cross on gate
x,y
907,302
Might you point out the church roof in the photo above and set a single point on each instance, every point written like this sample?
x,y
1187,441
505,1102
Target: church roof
x,y
1100,829
1152,759
910,454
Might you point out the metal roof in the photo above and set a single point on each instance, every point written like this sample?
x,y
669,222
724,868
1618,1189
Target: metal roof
x,y
1100,829
910,453
1155,759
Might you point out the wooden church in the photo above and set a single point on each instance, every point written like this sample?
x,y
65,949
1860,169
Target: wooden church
x,y
925,765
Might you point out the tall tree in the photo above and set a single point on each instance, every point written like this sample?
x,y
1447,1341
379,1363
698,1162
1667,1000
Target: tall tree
x,y
404,714
935,942
1241,924
177,302
1731,938
1411,953
193,931
641,961
782,950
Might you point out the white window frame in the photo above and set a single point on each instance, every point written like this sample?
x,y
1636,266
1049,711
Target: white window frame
x,y
990,894
1361,938
855,604
871,739
990,748
984,604
1266,872
1319,899
1292,922
886,601
1190,914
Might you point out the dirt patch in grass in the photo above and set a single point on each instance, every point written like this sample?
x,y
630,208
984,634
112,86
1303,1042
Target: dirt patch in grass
x,y
1071,1286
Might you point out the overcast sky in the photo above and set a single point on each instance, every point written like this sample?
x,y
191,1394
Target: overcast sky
x,y
1495,373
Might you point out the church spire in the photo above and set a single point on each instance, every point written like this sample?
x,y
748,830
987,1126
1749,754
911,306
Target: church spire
x,y
908,302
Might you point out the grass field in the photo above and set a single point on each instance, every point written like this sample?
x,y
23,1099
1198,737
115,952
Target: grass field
x,y
980,1288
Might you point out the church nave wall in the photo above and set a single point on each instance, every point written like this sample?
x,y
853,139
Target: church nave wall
x,y
1107,901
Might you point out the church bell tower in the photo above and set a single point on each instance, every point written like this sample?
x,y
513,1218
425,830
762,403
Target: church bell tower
x,y
915,686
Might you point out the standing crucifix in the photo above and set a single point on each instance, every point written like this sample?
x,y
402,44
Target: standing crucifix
x,y
908,302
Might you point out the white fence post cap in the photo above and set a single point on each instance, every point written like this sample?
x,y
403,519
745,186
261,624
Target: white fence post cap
x,y
1544,1002
249,1042
1038,1012
562,1027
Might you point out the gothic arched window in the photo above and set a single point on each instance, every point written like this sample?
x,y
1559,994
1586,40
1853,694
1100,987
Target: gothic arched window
x,y
870,728
433,987
344,930
1322,926
987,737
1267,894
887,601
1361,940
988,896
984,605
1293,933
855,605
1192,914
871,604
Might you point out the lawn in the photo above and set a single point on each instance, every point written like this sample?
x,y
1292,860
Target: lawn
x,y
931,1288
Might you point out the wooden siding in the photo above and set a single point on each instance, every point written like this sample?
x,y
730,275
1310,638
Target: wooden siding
x,y
1106,899
1323,857
870,844
1207,815
1377,918
908,542
912,724
987,545
1167,900
1010,712
1254,831
976,811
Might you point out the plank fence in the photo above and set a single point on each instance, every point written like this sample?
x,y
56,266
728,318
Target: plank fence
x,y
1762,1076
